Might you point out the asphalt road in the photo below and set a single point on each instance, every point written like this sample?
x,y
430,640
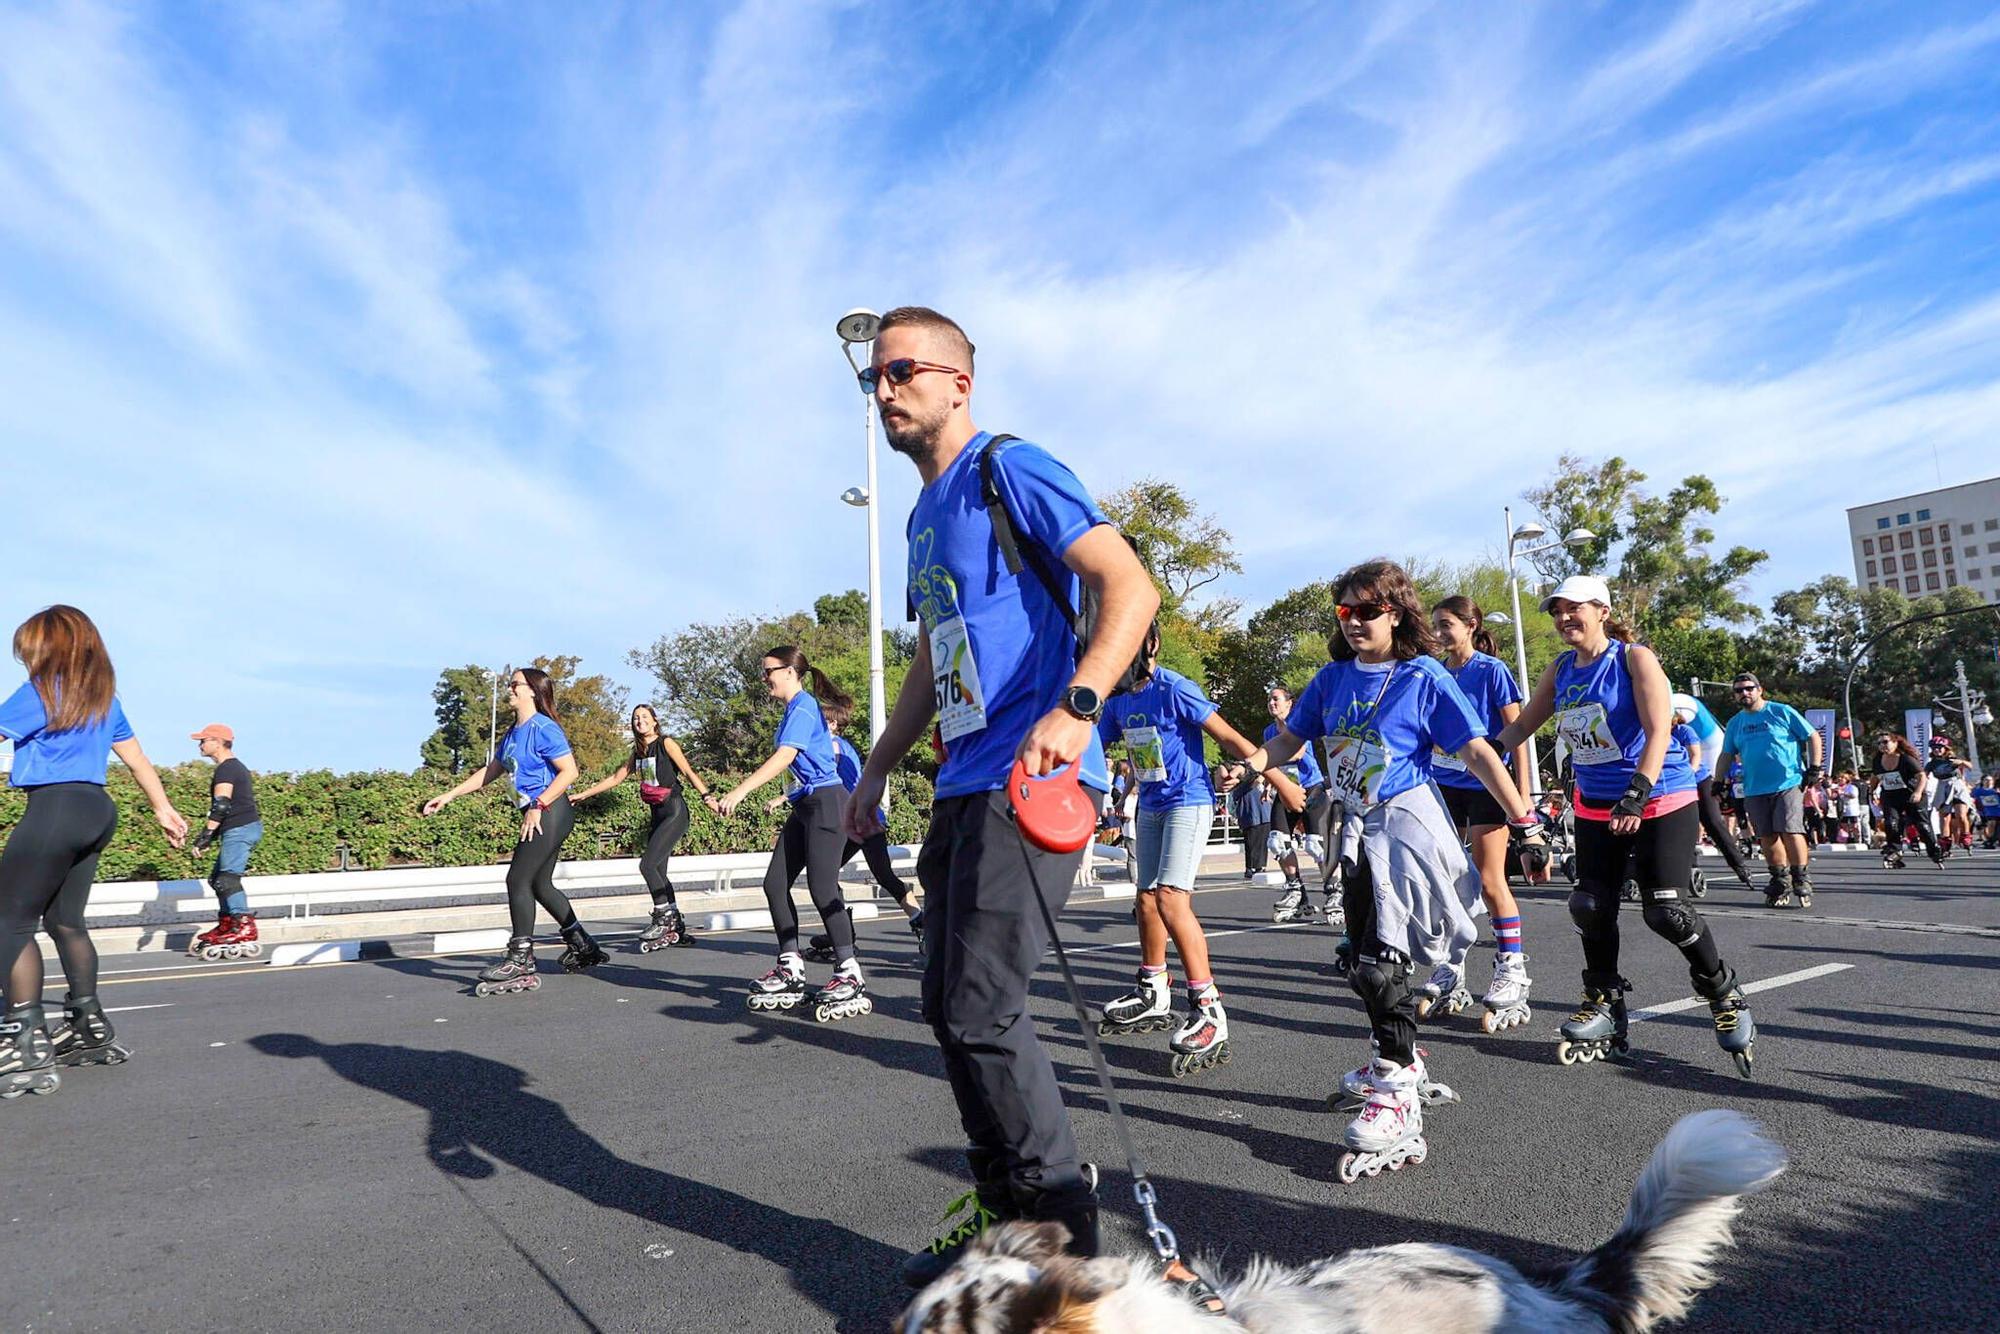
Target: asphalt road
x,y
368,1146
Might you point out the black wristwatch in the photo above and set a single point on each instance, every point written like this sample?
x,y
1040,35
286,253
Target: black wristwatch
x,y
1084,702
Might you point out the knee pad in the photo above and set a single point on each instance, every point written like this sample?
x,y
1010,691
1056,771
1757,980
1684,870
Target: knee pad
x,y
225,882
1381,978
1591,910
1671,919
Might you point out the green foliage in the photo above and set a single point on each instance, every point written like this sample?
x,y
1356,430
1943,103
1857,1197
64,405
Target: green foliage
x,y
1186,551
465,706
591,709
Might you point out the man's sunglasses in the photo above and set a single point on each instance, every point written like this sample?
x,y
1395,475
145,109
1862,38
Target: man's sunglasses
x,y
898,372
1744,690
1364,612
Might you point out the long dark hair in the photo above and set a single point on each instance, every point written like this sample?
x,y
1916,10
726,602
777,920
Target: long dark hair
x,y
1903,746
824,690
638,742
543,689
68,665
1465,611
1385,581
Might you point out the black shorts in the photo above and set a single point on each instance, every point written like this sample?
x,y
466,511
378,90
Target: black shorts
x,y
1472,806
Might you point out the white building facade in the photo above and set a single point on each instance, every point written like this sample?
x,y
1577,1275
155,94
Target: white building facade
x,y
1931,541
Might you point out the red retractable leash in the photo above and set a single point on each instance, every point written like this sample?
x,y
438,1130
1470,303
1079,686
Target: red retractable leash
x,y
1056,815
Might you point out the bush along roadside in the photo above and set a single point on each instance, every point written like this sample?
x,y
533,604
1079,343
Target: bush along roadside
x,y
378,817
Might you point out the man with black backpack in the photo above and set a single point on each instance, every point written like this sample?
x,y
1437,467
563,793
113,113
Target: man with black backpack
x,y
1033,609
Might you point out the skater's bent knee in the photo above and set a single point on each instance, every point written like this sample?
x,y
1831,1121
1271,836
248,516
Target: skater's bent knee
x,y
1380,977
1670,918
1589,908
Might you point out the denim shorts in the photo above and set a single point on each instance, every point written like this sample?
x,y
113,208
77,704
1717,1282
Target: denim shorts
x,y
1171,844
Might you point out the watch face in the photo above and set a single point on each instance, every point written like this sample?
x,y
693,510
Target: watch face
x,y
1083,700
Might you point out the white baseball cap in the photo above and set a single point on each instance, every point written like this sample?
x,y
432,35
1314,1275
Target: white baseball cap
x,y
1579,588
1683,707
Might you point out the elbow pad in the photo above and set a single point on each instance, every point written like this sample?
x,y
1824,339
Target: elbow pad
x,y
219,808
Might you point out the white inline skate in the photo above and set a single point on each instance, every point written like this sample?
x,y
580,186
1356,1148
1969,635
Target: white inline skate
x,y
845,996
1444,993
1203,1042
1389,1131
1292,905
1358,1083
782,988
1506,1001
1147,1008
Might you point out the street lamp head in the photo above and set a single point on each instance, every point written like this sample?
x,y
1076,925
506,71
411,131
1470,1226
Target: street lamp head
x,y
859,325
1529,531
1498,618
856,496
1578,536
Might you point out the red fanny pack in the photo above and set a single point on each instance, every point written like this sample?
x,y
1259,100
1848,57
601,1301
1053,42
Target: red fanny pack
x,y
654,795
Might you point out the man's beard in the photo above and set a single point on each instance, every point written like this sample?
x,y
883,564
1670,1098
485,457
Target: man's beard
x,y
913,437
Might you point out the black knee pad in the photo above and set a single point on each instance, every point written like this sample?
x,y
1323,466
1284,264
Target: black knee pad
x,y
1671,919
1380,977
1591,910
225,882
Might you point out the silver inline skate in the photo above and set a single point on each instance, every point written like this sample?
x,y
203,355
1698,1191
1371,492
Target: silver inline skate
x,y
1443,993
1599,1029
1506,1001
1147,1008
667,929
1735,1030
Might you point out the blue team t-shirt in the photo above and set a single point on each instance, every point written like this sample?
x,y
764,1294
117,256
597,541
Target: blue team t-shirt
x,y
1382,721
1597,720
75,755
529,753
847,760
1489,687
1708,732
1161,726
1770,742
804,730
1002,652
1304,770
1988,801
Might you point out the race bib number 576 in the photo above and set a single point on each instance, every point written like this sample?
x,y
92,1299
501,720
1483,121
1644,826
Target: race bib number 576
x,y
961,700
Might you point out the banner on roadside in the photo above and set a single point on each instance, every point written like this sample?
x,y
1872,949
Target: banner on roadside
x,y
1822,723
1917,727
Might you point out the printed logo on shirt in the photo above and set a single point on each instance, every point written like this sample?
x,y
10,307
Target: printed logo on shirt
x,y
955,686
1142,742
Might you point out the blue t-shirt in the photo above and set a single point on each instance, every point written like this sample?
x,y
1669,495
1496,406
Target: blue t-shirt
x,y
1381,722
1597,719
529,753
78,755
1304,770
1161,728
847,760
804,730
1002,652
1988,801
1708,732
1770,742
1489,687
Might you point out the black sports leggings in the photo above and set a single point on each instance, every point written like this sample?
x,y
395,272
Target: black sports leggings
x,y
876,853
1380,973
1899,809
46,873
670,824
1661,856
811,841
531,876
1718,828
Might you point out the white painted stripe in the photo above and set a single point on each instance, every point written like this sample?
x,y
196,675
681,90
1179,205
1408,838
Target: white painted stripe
x,y
127,1009
316,951
1749,988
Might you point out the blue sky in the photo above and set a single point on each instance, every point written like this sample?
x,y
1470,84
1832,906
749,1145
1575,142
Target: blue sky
x,y
342,342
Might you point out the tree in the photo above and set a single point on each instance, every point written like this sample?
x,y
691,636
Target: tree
x,y
593,715
463,711
1186,551
592,710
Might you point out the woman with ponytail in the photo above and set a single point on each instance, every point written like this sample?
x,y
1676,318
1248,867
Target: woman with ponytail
x,y
812,839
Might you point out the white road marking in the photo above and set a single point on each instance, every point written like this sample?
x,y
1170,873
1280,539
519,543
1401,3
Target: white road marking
x,y
127,1009
1762,984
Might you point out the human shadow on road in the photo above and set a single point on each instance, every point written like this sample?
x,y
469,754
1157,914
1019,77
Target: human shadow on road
x,y
480,1111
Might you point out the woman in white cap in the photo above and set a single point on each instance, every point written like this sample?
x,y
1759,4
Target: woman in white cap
x,y
1701,736
1635,805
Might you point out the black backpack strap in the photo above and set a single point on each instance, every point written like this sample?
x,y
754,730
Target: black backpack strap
x,y
1008,539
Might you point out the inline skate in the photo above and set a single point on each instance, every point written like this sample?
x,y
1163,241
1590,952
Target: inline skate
x,y
1599,1029
1802,887
1291,905
1778,894
198,947
1698,883
27,1058
1388,1133
845,996
84,1036
1735,1030
668,928
1506,1001
579,950
1203,1042
782,988
515,972
1343,956
1356,1084
1892,857
234,937
1443,993
1147,1008
1630,892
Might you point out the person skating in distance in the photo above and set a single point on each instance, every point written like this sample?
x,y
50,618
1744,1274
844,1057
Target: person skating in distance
x,y
235,824
660,766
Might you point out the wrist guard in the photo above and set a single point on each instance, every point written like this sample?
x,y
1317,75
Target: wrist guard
x,y
203,840
1530,848
1815,774
1637,793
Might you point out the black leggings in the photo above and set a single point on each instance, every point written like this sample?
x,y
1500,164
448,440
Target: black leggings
x,y
531,876
45,874
1661,858
1256,846
1899,809
1380,973
876,853
1718,828
670,824
811,841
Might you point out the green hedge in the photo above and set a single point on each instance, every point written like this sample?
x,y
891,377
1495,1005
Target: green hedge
x,y
307,816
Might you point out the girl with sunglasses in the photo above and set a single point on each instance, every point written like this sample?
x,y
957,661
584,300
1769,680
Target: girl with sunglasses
x,y
874,849
1636,807
1900,785
1385,706
811,841
535,757
1485,681
657,760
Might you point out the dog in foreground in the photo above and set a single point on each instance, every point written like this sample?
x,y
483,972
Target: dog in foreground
x,y
1016,1280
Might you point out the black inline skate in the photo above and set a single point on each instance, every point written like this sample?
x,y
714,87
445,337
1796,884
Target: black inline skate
x,y
1735,1030
84,1036
845,996
515,972
668,928
580,951
1599,1029
27,1058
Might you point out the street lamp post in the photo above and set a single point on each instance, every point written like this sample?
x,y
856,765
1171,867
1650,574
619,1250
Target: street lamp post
x,y
493,715
1528,532
860,326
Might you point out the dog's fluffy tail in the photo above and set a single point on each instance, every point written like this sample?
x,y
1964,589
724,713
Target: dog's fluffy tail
x,y
1657,1262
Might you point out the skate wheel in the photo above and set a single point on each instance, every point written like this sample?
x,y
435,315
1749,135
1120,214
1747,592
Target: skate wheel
x,y
822,1013
1349,1168
1180,1065
1417,1155
1742,1059
1489,1022
1222,1054
253,950
1567,1054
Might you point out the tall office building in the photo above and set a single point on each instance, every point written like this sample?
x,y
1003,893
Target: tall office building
x,y
1930,541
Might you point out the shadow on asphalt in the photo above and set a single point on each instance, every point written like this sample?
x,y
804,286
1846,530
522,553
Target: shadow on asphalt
x,y
481,1111
1988,961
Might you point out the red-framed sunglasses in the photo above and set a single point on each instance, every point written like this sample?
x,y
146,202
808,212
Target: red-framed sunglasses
x,y
1363,612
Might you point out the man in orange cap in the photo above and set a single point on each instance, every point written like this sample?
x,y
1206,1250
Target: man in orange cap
x,y
234,823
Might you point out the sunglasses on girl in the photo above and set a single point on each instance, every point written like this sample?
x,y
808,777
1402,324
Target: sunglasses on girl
x,y
1363,612
898,372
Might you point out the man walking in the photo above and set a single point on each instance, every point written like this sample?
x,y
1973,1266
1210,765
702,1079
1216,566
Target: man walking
x,y
1772,741
234,823
997,669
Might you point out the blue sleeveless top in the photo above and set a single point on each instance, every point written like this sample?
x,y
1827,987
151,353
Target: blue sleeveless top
x,y
1597,719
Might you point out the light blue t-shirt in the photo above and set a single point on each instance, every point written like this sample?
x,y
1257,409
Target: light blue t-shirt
x,y
1304,770
1002,652
529,753
76,755
1708,732
804,730
1161,726
1489,687
1771,743
1382,721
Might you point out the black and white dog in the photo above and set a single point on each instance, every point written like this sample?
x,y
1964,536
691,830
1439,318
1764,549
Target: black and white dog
x,y
1016,1280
